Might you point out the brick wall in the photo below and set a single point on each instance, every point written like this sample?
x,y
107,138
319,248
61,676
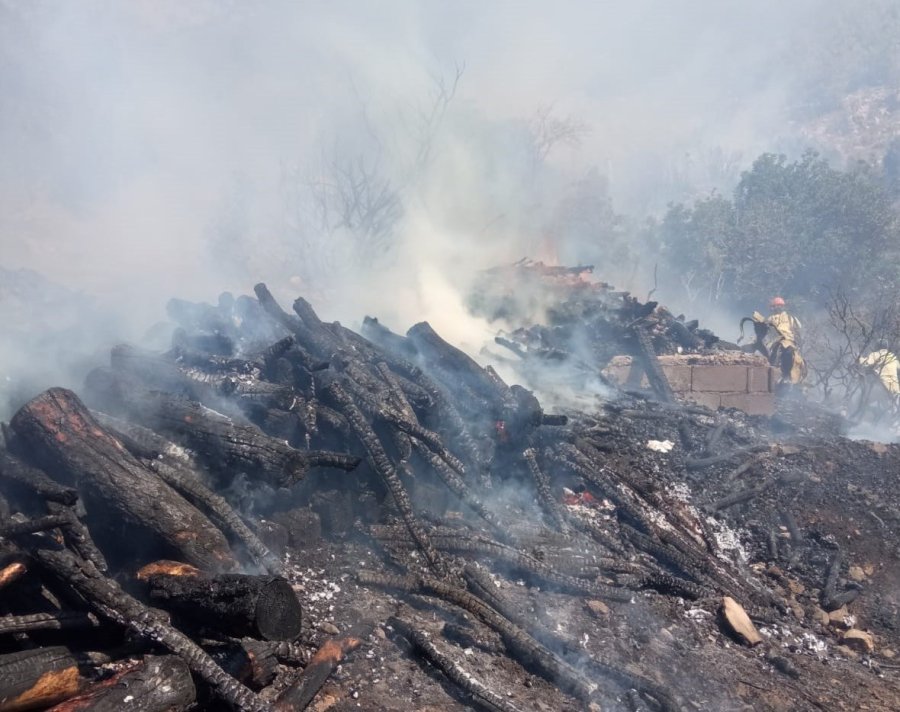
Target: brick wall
x,y
726,380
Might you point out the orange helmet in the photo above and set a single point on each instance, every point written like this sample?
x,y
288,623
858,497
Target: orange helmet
x,y
776,302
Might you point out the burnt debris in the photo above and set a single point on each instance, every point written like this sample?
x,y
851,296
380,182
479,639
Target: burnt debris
x,y
279,510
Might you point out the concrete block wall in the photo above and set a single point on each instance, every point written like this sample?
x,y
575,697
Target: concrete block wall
x,y
727,380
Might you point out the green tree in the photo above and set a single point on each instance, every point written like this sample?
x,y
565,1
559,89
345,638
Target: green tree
x,y
800,229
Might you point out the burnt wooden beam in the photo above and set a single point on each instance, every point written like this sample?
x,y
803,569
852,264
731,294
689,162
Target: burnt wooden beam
x,y
198,315
16,470
455,365
252,662
108,599
655,375
76,535
237,604
379,334
525,649
59,426
158,372
222,444
545,494
60,620
177,472
382,464
481,695
29,526
591,666
36,679
321,665
155,684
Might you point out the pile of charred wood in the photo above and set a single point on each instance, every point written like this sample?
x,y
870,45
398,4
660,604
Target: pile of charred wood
x,y
127,575
563,318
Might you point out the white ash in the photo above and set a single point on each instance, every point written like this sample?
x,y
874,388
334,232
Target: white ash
x,y
726,540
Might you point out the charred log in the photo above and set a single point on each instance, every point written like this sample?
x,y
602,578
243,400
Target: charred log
x,y
156,684
655,375
376,332
144,443
454,366
57,424
62,620
35,679
110,601
238,604
481,695
320,667
530,653
383,466
15,470
252,662
29,526
545,494
216,439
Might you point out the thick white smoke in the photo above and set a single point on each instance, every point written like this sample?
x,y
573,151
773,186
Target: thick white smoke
x,y
159,148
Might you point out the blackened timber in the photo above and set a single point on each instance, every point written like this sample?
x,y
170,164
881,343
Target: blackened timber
x,y
141,442
741,496
459,487
59,426
829,592
238,604
320,667
155,684
376,332
159,372
655,375
218,509
29,526
396,389
481,695
321,339
158,452
192,315
294,325
216,439
107,598
454,364
524,562
253,662
213,343
60,620
571,457
383,466
14,469
316,339
35,679
76,535
482,587
529,652
426,394
700,463
542,483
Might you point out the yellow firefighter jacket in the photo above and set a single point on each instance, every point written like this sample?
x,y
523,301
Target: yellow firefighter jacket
x,y
787,329
887,366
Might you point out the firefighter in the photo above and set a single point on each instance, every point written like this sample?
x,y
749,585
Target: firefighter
x,y
886,365
783,342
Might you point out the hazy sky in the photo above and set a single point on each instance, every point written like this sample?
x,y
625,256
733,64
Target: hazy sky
x,y
134,134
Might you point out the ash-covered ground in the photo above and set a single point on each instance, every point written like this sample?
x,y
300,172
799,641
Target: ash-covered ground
x,y
842,497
